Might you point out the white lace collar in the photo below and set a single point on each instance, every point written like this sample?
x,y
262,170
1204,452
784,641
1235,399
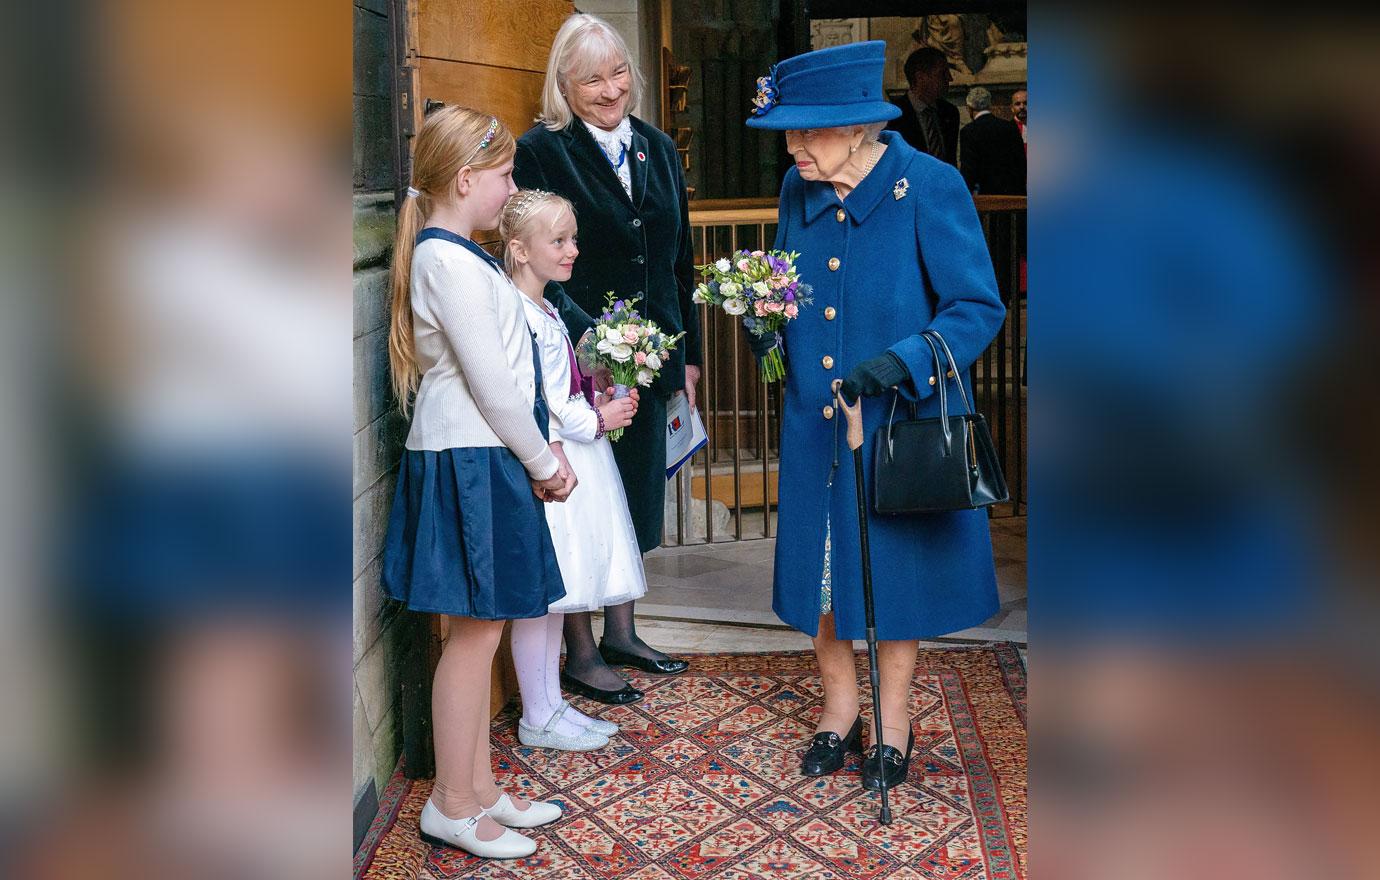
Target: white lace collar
x,y
612,140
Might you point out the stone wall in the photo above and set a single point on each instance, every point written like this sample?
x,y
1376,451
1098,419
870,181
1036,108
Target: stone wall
x,y
378,426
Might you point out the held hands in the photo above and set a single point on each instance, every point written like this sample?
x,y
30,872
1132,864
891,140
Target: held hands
x,y
559,485
874,376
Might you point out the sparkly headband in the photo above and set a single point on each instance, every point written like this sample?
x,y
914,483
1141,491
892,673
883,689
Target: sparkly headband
x,y
526,200
488,139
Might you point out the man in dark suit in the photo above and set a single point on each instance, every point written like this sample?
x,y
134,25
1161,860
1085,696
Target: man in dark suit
x,y
927,121
991,153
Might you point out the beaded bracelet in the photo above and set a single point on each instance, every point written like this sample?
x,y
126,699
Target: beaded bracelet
x,y
600,417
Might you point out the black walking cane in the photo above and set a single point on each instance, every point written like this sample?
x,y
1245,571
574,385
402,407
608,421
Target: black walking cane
x,y
855,442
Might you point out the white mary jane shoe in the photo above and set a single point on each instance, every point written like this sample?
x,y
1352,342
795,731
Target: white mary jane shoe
x,y
505,812
546,738
437,829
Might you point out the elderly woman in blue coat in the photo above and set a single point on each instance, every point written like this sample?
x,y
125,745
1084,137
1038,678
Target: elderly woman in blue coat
x,y
891,242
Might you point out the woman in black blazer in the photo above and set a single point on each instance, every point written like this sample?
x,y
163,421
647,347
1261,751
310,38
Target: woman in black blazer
x,y
624,178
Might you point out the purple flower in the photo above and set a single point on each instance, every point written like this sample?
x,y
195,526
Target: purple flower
x,y
790,297
618,306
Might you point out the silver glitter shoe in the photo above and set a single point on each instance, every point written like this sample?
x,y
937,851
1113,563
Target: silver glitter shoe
x,y
595,725
546,738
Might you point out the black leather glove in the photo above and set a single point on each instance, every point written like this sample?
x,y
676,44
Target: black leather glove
x,y
760,345
872,377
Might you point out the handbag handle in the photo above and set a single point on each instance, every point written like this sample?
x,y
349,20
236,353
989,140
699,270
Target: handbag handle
x,y
935,341
943,405
953,367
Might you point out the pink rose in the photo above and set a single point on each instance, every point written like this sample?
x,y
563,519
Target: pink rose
x,y
742,265
776,308
640,358
630,336
791,310
761,308
758,254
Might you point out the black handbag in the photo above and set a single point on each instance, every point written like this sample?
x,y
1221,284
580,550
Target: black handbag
x,y
930,465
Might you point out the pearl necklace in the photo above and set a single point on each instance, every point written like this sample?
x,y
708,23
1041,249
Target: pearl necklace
x,y
871,161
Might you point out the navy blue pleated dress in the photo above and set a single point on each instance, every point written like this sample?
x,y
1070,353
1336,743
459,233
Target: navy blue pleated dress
x,y
466,536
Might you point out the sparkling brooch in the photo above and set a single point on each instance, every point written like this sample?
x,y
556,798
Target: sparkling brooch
x,y
767,95
899,191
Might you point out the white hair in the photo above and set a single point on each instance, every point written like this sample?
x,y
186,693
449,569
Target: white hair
x,y
978,99
583,45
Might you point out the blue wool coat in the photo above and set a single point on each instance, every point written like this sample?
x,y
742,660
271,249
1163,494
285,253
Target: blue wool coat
x,y
904,265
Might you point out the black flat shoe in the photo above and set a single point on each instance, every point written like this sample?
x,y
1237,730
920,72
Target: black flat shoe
x,y
628,693
615,657
897,766
828,751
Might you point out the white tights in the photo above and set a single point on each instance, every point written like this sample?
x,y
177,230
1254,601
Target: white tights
x,y
537,658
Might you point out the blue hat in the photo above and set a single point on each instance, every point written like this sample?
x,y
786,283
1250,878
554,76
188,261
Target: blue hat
x,y
840,85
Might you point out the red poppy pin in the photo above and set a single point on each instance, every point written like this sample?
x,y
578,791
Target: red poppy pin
x,y
641,156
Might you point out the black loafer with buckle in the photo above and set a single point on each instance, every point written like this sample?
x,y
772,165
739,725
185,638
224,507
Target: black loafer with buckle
x,y
614,657
627,694
895,765
829,751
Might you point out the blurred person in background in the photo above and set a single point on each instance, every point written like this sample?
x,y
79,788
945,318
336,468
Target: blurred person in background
x,y
928,122
1202,315
991,153
197,467
1018,110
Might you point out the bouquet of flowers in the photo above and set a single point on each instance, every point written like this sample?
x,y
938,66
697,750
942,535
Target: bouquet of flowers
x,y
762,285
631,347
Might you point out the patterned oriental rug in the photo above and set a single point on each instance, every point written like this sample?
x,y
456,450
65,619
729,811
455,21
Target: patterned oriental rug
x,y
703,782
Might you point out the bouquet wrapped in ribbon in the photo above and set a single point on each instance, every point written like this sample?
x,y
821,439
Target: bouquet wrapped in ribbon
x,y
763,287
631,347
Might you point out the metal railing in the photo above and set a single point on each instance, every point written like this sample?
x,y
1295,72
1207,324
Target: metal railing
x,y
727,492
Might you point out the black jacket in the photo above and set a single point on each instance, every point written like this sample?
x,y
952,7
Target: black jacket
x,y
992,158
908,124
636,247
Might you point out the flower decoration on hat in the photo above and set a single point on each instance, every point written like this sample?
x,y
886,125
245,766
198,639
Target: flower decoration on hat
x,y
767,94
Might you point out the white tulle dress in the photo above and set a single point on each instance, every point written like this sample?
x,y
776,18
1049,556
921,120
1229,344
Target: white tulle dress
x,y
596,546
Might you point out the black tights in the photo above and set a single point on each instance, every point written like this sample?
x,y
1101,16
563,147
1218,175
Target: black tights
x,y
582,660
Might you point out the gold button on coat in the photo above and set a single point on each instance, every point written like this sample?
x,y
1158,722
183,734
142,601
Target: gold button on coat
x,y
839,215
931,380
949,374
833,264
828,412
828,362
829,313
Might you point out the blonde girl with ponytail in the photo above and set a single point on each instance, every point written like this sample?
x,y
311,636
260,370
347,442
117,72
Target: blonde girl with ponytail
x,y
467,536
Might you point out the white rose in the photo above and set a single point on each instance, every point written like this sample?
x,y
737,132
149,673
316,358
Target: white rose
x,y
762,288
653,362
613,335
730,289
723,265
621,352
645,376
604,346
701,294
735,306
